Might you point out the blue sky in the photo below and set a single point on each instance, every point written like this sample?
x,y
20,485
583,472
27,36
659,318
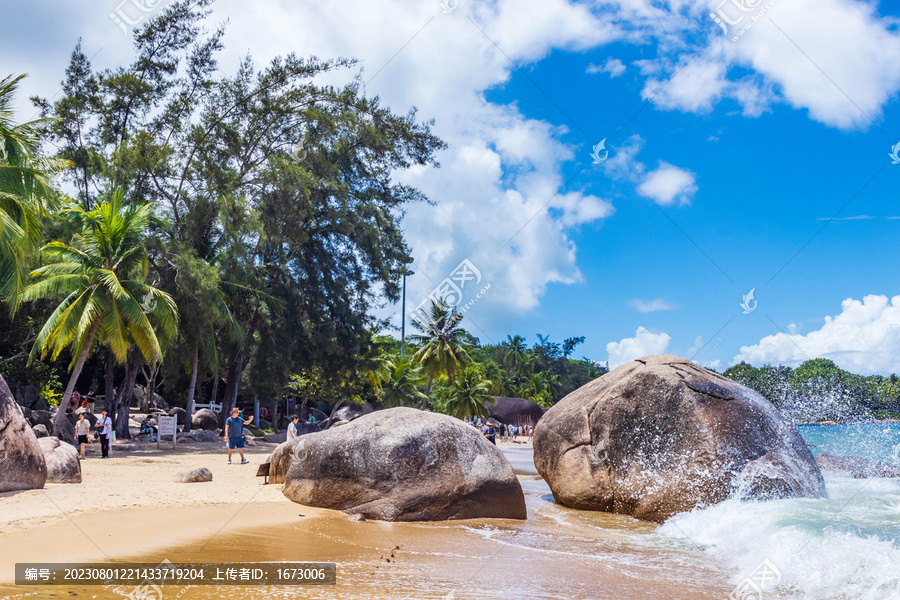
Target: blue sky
x,y
744,151
768,188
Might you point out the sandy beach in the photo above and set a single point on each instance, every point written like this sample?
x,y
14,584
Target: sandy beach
x,y
130,508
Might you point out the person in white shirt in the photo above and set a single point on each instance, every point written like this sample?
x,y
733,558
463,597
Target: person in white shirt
x,y
104,423
292,428
81,433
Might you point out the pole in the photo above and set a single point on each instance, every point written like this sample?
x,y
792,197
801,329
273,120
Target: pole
x,y
403,322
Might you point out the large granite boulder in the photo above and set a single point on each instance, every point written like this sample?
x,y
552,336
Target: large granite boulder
x,y
205,419
203,435
661,435
514,411
29,396
280,461
40,431
353,411
858,468
22,464
156,401
180,414
42,417
63,465
276,438
403,464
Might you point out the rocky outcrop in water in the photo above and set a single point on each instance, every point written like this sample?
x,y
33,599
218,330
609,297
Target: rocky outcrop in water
x,y
403,464
22,464
661,435
858,468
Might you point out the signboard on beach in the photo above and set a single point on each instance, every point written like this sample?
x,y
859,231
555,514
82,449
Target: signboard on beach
x,y
167,426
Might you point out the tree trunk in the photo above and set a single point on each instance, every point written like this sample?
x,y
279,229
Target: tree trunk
x,y
73,379
334,410
215,390
231,390
193,385
124,400
148,385
427,393
109,394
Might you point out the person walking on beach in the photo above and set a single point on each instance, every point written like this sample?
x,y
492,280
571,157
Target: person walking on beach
x,y
104,423
81,434
292,428
234,433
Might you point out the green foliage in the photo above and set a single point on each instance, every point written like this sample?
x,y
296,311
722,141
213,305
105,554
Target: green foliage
x,y
441,342
25,193
466,395
815,378
51,391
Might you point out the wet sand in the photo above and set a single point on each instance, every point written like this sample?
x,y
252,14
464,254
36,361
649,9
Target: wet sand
x,y
557,553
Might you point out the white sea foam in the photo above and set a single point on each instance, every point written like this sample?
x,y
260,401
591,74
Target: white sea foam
x,y
843,547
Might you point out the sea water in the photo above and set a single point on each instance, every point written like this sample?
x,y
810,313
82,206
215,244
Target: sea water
x,y
844,547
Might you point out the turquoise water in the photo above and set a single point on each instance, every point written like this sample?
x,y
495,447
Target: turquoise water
x,y
845,547
875,441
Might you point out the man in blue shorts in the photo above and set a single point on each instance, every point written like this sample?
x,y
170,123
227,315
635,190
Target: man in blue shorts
x,y
234,433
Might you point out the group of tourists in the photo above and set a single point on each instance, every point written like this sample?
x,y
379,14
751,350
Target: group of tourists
x,y
502,431
83,428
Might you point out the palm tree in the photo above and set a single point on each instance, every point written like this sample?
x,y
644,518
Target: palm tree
x,y
467,394
442,343
25,191
397,383
100,276
516,357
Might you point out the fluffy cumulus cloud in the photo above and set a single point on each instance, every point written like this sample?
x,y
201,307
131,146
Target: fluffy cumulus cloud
x,y
502,202
668,185
500,197
644,343
665,185
654,305
863,338
837,59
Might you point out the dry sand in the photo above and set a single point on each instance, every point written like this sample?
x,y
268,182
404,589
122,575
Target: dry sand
x,y
129,508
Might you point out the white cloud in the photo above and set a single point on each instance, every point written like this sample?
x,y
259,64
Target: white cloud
x,y
665,185
864,338
838,59
499,191
613,66
669,184
646,306
644,343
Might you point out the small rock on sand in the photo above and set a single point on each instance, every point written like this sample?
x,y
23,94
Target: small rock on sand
x,y
195,475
